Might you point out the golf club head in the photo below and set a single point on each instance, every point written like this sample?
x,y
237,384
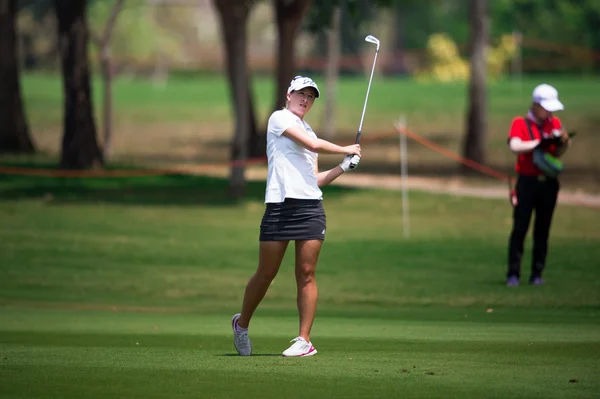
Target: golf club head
x,y
372,39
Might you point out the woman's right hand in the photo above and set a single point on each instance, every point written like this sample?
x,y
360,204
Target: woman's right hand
x,y
353,149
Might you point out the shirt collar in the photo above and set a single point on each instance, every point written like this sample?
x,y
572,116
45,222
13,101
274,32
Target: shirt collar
x,y
532,118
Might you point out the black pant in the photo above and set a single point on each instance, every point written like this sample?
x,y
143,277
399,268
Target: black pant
x,y
539,194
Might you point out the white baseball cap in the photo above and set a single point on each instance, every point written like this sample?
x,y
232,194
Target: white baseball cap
x,y
300,82
547,97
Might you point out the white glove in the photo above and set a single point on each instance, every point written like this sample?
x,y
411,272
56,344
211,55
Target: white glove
x,y
350,162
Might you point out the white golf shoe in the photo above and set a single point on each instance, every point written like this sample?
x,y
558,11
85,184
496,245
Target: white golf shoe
x,y
300,348
240,338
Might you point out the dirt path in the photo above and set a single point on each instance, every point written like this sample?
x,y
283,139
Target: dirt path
x,y
454,187
442,186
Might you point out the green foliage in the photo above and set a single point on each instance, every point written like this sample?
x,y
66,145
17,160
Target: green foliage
x,y
446,64
570,22
355,12
137,36
38,8
42,8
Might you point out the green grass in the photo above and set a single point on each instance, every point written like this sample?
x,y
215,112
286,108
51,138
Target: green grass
x,y
205,98
158,356
189,120
114,288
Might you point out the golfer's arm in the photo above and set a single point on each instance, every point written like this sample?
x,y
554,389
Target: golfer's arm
x,y
317,145
324,178
519,146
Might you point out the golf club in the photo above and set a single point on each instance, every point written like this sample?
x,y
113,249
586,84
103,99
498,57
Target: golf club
x,y
374,40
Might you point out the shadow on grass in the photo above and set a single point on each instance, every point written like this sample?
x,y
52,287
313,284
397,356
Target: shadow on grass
x,y
175,189
253,355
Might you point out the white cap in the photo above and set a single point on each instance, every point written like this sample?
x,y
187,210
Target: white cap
x,y
547,97
300,82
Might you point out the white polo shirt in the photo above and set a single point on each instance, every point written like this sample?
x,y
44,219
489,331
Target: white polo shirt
x,y
291,171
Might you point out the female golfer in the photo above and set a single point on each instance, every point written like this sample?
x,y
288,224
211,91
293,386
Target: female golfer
x,y
293,212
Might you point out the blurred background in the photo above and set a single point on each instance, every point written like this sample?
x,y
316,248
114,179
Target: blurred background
x,y
132,182
103,84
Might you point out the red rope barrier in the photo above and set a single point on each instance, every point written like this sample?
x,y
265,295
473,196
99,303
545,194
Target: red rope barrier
x,y
484,169
449,154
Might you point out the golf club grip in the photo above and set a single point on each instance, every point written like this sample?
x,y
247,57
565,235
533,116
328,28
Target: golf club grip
x,y
357,141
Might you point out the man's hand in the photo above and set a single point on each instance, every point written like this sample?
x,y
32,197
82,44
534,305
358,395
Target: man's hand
x,y
560,137
350,163
564,137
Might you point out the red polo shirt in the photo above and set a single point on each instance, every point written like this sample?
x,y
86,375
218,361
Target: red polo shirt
x,y
524,165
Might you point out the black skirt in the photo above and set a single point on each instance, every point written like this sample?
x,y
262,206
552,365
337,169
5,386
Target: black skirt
x,y
293,219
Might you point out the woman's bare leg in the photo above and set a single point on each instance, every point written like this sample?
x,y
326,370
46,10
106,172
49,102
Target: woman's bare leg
x,y
269,259
307,254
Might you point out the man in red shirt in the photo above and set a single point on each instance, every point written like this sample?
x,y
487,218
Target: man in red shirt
x,y
536,190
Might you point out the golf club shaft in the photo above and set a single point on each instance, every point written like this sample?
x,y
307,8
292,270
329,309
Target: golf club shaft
x,y
357,141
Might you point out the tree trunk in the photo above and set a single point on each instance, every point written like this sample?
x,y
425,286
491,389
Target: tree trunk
x,y
234,20
103,44
331,73
475,140
80,148
14,131
257,142
395,65
289,15
106,67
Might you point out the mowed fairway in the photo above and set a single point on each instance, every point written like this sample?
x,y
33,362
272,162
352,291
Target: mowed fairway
x,y
124,288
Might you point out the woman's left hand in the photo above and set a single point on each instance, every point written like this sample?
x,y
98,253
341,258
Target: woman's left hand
x,y
350,162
